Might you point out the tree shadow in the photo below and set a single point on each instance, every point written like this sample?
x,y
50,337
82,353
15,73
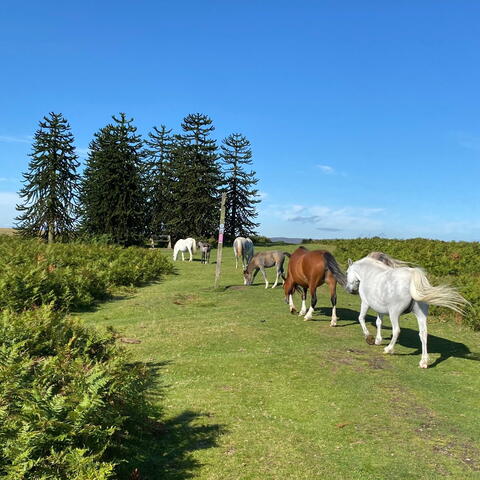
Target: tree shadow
x,y
166,452
446,348
162,449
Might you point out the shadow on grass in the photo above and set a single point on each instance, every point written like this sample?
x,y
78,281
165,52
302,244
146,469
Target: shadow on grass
x,y
166,452
163,448
446,348
344,314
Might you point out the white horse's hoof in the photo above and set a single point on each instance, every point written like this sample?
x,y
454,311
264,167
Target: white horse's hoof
x,y
378,341
333,323
423,365
388,350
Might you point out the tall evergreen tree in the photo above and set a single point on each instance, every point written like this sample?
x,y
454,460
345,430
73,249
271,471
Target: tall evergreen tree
x,y
51,185
158,179
242,196
113,200
197,176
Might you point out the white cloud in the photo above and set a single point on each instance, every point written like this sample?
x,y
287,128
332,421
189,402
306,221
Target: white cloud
x,y
16,138
8,212
301,220
262,195
326,169
468,141
82,152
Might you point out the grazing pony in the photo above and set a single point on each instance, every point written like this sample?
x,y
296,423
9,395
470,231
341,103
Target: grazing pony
x,y
243,247
264,260
395,290
307,270
205,251
183,245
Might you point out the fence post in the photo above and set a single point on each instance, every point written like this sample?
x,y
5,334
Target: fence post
x,y
221,230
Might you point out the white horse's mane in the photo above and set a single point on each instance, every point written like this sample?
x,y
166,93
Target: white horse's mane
x,y
387,260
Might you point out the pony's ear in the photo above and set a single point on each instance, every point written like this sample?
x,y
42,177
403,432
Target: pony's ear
x,y
350,262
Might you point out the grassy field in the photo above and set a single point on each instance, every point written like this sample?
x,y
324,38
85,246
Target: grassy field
x,y
252,392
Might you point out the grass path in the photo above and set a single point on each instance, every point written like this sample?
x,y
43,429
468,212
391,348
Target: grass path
x,y
252,392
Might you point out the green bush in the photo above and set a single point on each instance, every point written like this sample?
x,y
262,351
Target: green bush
x,y
71,275
70,403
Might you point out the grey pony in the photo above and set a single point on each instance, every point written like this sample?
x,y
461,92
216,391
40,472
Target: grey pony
x,y
205,251
263,260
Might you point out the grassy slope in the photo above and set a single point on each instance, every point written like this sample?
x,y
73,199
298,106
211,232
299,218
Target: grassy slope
x,y
252,392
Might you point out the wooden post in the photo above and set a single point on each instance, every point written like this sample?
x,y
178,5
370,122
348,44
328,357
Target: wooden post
x,y
221,230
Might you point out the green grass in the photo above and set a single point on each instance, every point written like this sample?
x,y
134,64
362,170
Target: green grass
x,y
252,392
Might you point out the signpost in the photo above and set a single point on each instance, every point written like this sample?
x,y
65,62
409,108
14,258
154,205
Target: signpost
x,y
221,231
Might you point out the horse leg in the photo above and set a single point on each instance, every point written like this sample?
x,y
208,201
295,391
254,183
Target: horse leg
x,y
361,319
303,311
276,279
394,316
264,276
183,257
313,294
378,338
190,253
332,283
420,309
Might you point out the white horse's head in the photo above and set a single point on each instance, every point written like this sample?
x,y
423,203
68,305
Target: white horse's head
x,y
353,280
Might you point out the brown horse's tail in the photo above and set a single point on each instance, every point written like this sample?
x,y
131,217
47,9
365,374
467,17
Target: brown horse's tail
x,y
332,265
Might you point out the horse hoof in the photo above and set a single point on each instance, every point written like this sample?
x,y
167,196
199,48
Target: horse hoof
x,y
370,339
293,311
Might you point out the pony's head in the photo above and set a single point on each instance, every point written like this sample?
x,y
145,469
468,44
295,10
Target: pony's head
x,y
247,277
353,280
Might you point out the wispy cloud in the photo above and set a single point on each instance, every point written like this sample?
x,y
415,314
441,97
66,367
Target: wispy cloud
x,y
468,141
321,218
8,212
5,179
16,138
326,169
82,152
262,195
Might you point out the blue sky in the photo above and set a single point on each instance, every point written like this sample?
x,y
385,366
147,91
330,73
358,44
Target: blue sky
x,y
364,116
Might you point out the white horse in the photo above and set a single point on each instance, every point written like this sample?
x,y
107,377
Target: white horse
x,y
394,290
183,245
243,247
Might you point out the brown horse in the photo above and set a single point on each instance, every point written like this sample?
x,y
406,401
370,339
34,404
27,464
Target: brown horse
x,y
307,270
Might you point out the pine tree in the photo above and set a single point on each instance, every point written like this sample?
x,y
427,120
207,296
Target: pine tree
x,y
158,179
240,187
51,185
113,199
197,178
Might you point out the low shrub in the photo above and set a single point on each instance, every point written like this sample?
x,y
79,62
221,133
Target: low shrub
x,y
71,275
70,401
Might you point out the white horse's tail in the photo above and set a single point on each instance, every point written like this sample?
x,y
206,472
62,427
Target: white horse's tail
x,y
194,246
443,295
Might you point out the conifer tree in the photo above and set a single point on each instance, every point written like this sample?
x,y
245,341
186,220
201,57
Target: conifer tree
x,y
242,196
51,185
197,178
158,179
113,200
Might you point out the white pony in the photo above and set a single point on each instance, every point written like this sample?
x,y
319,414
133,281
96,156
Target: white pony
x,y
395,289
243,247
183,245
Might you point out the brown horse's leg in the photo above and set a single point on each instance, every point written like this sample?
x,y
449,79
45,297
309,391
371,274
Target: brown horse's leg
x,y
332,283
313,294
303,311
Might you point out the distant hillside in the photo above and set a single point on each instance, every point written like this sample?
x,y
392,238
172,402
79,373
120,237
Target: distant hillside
x,y
295,241
7,231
